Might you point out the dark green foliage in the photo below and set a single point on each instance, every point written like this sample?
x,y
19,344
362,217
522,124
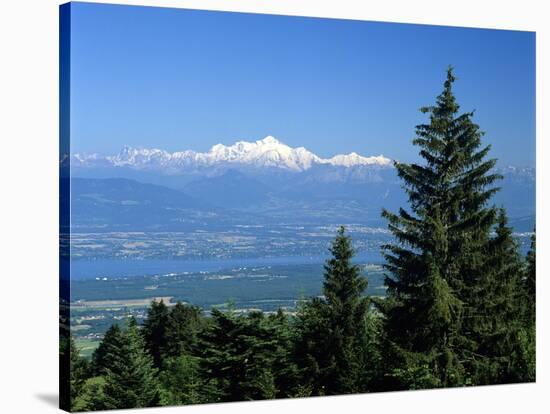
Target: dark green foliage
x,y
334,349
527,339
283,367
181,381
130,381
451,286
182,327
102,358
155,331
370,357
180,376
348,312
311,349
498,303
531,280
65,371
243,357
78,372
91,396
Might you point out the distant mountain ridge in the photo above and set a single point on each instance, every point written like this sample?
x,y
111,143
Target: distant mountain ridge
x,y
266,178
268,152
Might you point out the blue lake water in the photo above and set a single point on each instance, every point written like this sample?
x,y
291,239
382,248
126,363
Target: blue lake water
x,y
85,269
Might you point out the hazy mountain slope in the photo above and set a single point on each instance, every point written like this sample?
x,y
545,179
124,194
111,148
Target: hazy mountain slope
x,y
231,189
125,204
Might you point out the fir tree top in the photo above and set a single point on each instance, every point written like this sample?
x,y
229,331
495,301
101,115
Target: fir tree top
x,y
343,282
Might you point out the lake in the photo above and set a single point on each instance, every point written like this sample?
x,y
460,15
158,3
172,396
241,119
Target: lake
x,y
114,268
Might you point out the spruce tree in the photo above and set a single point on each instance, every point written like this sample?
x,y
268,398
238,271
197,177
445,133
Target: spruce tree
x,y
500,355
311,346
332,347
78,370
130,381
439,255
155,331
237,357
102,356
181,381
182,327
218,364
260,345
528,338
91,397
343,289
285,371
531,280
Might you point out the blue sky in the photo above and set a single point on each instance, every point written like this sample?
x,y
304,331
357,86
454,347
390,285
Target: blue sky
x,y
182,79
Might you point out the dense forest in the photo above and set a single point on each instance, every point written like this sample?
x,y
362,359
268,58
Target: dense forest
x,y
459,308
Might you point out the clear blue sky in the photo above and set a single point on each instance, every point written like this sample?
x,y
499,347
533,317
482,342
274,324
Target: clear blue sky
x,y
182,79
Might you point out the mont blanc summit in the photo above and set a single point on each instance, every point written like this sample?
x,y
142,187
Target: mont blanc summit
x,y
268,152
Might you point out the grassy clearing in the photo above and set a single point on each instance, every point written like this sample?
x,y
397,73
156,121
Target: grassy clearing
x,y
121,303
86,347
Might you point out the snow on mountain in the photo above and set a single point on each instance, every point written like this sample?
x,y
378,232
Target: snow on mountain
x,y
353,159
268,152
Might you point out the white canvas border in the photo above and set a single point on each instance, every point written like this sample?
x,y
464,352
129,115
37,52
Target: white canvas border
x,y
29,132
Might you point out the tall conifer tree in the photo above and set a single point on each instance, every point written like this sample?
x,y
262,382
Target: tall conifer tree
x,y
155,331
181,381
311,346
130,381
102,356
283,367
531,279
343,289
239,357
529,314
78,370
332,347
438,258
182,327
499,357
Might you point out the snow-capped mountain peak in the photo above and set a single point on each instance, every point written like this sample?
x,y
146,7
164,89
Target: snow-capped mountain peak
x,y
353,159
267,152
269,140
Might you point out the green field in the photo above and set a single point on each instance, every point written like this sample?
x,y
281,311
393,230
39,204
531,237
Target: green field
x,y
86,347
96,304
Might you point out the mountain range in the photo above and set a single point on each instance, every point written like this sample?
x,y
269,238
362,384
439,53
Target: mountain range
x,y
265,153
